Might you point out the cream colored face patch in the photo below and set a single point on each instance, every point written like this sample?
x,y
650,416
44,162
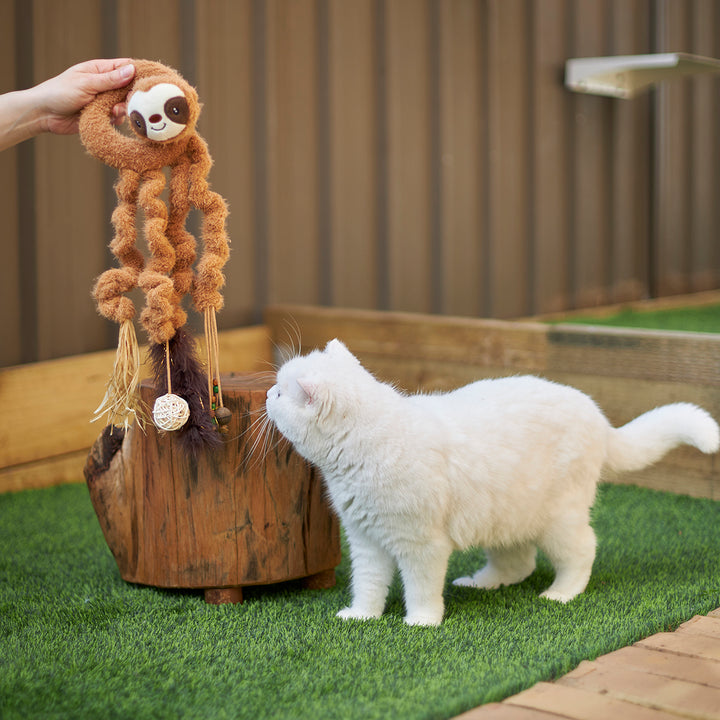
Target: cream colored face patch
x,y
160,113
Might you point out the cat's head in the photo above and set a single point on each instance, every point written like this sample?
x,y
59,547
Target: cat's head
x,y
314,394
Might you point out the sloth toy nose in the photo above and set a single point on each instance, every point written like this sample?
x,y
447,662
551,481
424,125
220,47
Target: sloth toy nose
x,y
155,118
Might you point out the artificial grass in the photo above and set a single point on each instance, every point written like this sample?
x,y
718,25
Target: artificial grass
x,y
78,642
702,318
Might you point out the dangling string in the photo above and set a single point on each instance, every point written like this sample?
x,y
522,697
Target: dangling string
x,y
167,366
215,398
170,411
213,369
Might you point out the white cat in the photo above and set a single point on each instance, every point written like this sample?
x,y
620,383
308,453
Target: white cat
x,y
509,465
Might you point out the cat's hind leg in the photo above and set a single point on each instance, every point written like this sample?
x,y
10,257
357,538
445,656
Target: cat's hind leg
x,y
505,566
571,550
372,572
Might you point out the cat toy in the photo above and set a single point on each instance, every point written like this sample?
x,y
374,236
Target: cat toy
x,y
162,110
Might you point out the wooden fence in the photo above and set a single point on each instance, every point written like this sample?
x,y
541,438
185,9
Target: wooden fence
x,y
417,155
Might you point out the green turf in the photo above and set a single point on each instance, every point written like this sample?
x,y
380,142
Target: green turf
x,y
78,642
697,319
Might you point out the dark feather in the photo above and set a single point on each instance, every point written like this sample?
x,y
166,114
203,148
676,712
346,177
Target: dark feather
x,y
189,381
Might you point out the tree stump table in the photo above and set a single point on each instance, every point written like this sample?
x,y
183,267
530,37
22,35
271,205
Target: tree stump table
x,y
227,519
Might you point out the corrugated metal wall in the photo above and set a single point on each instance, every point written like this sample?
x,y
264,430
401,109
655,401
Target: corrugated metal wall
x,y
418,155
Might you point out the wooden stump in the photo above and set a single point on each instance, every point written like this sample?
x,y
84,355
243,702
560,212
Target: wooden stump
x,y
226,519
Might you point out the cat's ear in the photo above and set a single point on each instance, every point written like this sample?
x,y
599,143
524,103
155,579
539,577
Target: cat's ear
x,y
336,348
311,388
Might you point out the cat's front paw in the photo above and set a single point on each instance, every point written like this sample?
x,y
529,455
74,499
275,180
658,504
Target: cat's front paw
x,y
557,596
426,619
353,613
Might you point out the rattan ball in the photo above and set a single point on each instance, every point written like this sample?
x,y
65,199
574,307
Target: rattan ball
x,y
170,412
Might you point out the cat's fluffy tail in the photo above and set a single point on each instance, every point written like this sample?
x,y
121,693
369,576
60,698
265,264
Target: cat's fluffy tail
x,y
648,437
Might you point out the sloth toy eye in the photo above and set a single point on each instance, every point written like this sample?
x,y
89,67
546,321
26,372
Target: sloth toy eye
x,y
139,122
176,108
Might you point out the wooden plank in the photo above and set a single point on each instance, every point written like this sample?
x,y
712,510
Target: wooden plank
x,y
71,226
428,339
702,625
550,187
642,354
627,372
667,664
673,159
692,644
150,31
353,152
408,160
504,711
508,118
56,470
591,166
47,407
223,71
581,704
630,172
582,350
462,182
10,347
688,699
292,168
704,259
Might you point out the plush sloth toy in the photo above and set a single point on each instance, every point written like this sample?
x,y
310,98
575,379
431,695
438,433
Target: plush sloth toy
x,y
162,110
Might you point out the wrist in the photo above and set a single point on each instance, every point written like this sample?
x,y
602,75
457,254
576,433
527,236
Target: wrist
x,y
20,117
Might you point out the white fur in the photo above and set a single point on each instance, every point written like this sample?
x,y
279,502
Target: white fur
x,y
509,465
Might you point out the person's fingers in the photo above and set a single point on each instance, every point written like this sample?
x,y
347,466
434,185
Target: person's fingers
x,y
111,79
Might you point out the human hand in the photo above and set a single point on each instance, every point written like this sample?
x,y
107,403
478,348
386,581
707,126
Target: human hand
x,y
60,99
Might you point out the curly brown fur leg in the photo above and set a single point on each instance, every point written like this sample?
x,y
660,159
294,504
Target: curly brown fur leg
x,y
209,277
123,245
182,241
161,301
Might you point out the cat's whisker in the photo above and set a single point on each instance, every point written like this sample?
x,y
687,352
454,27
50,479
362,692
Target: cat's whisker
x,y
292,348
264,430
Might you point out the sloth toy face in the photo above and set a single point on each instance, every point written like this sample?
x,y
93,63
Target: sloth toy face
x,y
160,113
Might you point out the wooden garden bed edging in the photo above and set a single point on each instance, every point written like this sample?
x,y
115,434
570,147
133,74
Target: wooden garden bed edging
x,y
45,431
626,371
46,408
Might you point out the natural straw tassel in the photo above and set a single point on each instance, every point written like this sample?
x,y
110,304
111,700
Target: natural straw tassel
x,y
122,401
